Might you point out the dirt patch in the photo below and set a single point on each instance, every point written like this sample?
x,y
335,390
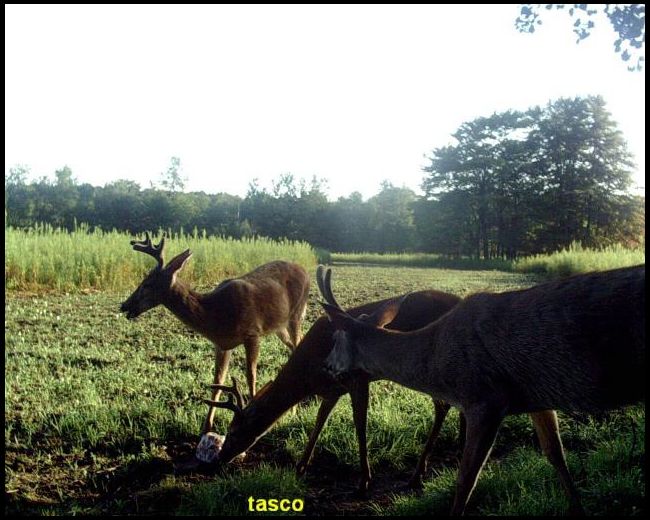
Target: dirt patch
x,y
135,487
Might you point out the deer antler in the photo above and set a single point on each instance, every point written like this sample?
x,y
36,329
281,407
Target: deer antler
x,y
145,246
325,285
228,405
232,390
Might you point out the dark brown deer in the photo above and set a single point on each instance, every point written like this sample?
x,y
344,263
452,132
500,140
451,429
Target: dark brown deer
x,y
269,299
576,344
302,376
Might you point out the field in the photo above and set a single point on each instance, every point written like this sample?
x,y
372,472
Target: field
x,y
97,408
571,260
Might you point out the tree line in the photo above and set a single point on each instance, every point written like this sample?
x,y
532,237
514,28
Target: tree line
x,y
510,184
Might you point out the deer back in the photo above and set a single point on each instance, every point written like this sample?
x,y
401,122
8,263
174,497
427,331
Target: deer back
x,y
572,344
258,302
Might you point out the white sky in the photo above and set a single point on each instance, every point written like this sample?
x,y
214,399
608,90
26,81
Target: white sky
x,y
355,94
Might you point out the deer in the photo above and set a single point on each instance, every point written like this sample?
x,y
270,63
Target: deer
x,y
270,299
303,376
576,344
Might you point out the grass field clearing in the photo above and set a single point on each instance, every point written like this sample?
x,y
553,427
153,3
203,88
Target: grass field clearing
x,y
97,408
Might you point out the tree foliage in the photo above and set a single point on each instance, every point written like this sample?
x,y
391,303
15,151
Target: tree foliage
x,y
172,180
511,184
519,183
627,20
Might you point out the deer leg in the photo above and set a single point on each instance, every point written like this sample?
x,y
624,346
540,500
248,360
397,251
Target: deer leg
x,y
482,426
283,334
548,433
222,360
359,395
323,413
462,429
297,318
441,410
294,329
252,346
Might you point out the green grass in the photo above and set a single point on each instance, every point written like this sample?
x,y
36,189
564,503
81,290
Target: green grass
x,y
51,259
44,258
230,496
572,260
576,259
97,408
609,474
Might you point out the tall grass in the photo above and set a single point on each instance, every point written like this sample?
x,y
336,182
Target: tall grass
x,y
572,260
44,257
577,259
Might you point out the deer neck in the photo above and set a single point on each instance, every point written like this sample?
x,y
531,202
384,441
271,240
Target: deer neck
x,y
299,378
265,410
403,357
186,304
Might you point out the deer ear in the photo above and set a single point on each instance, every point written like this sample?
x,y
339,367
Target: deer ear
x,y
177,263
341,319
387,312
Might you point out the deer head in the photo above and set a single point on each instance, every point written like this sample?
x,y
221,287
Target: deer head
x,y
343,357
352,335
157,284
240,435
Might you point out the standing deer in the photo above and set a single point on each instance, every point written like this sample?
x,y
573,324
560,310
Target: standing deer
x,y
303,376
576,344
269,299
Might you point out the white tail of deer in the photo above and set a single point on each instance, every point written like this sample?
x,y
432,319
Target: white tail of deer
x,y
576,344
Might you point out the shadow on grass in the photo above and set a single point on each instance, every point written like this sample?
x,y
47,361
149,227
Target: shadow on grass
x,y
452,264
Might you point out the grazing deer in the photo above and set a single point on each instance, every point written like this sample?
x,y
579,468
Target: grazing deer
x,y
303,376
576,344
271,298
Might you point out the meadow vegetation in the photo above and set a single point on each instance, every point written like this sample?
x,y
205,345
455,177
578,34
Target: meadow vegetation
x,y
571,260
577,259
97,409
44,257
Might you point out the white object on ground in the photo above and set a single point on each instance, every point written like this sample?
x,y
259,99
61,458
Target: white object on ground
x,y
209,447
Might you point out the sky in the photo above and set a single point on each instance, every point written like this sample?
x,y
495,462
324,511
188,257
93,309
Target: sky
x,y
353,94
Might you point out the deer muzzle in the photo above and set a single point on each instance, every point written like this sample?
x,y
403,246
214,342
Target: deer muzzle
x,y
128,308
340,359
